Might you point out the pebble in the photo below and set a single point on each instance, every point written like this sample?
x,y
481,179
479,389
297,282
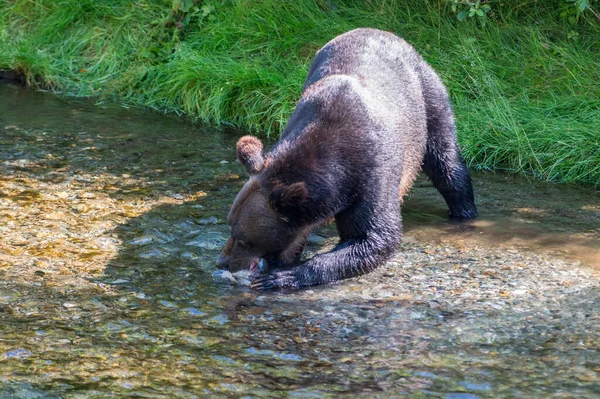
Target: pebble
x,y
19,353
209,220
167,304
120,281
315,239
195,312
220,319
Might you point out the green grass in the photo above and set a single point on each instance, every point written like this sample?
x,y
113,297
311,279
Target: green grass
x,y
527,98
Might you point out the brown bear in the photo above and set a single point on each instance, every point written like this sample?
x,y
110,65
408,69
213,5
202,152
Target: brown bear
x,y
372,114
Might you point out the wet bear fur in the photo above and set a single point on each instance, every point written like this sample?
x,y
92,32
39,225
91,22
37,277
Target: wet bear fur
x,y
372,114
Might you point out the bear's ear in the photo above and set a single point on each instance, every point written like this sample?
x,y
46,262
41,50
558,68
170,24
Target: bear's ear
x,y
288,199
249,152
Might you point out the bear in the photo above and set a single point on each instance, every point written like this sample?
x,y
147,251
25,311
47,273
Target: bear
x,y
371,116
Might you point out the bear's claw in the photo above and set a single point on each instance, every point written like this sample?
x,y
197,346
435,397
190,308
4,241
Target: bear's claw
x,y
275,280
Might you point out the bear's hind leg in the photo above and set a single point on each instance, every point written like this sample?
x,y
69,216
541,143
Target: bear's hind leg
x,y
444,164
450,177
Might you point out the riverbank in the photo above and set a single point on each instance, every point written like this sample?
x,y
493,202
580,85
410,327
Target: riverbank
x,y
525,86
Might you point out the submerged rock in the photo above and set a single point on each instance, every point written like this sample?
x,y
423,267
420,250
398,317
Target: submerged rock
x,y
19,353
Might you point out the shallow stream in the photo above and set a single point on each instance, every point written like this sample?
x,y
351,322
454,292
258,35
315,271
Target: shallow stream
x,y
110,221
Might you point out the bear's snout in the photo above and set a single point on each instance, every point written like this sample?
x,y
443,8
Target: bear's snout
x,y
223,262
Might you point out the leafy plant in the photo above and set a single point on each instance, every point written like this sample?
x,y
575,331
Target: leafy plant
x,y
187,11
579,6
569,9
471,9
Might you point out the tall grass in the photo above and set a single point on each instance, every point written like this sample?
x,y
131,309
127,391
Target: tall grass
x,y
527,97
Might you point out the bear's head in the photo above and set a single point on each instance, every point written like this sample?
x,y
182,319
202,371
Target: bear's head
x,y
261,227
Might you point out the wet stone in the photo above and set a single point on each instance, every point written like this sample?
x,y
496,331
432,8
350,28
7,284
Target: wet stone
x,y
316,240
209,220
23,390
153,237
208,240
195,312
220,319
19,353
167,304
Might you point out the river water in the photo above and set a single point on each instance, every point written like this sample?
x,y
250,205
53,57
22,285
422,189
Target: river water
x,y
110,221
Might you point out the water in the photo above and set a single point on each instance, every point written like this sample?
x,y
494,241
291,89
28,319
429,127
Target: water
x,y
110,222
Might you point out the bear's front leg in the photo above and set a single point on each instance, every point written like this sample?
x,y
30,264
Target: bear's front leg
x,y
349,259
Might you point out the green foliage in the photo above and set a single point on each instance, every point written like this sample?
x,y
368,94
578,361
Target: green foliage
x,y
570,10
469,9
188,11
525,92
581,5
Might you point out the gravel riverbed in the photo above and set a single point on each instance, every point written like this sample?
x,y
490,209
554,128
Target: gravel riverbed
x,y
110,221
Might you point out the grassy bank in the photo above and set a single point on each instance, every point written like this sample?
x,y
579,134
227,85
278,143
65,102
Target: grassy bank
x,y
526,91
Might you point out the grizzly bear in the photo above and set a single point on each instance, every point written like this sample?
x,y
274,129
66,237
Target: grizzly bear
x,y
372,114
